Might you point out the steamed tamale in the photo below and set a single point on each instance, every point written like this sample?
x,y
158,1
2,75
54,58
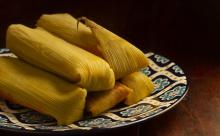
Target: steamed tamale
x,y
123,57
42,49
65,27
98,102
39,90
141,85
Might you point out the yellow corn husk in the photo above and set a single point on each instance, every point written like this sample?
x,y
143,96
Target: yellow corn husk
x,y
123,57
141,85
42,49
65,27
98,102
39,90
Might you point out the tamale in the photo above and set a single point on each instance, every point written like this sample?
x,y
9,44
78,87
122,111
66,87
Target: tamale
x,y
98,102
26,85
141,85
123,57
40,48
65,27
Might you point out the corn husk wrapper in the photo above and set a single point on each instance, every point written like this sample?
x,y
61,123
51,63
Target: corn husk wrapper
x,y
99,102
141,85
42,49
123,57
39,90
65,27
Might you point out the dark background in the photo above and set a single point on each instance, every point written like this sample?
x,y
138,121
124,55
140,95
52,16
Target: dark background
x,y
189,27
186,31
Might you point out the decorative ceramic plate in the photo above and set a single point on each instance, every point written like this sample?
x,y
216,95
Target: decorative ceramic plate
x,y
170,88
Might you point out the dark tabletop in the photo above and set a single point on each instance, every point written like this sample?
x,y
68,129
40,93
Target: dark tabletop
x,y
187,32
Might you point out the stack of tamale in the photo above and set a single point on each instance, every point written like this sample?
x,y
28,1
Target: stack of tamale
x,y
64,69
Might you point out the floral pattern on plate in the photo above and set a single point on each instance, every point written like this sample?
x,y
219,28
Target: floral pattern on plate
x,y
161,59
173,93
136,110
160,84
100,123
177,69
33,117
